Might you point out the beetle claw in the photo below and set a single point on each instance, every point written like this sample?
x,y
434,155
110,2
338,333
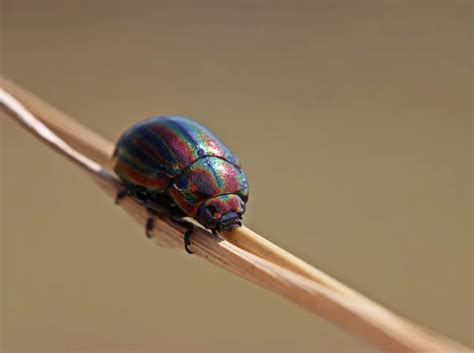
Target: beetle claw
x,y
187,240
150,223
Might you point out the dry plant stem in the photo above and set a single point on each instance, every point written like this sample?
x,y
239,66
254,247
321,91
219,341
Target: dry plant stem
x,y
327,298
83,139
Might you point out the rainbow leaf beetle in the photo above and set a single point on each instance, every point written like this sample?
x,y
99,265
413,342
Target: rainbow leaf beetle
x,y
178,166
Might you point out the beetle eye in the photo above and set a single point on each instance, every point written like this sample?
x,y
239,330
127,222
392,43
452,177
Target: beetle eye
x,y
211,208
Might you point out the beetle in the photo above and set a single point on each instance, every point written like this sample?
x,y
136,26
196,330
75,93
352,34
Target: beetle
x,y
177,167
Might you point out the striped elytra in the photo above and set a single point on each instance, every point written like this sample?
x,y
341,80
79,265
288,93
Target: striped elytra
x,y
178,160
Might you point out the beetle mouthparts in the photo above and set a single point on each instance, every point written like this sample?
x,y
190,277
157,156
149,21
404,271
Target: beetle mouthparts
x,y
226,227
228,222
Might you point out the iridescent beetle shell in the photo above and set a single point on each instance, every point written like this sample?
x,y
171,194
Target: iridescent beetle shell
x,y
181,161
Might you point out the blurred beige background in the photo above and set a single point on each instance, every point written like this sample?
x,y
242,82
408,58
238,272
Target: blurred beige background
x,y
353,123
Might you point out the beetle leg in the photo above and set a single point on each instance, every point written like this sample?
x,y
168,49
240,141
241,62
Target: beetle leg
x,y
187,234
150,223
187,238
121,195
154,209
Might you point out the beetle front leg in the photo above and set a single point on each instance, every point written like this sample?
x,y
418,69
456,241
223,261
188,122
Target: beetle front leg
x,y
187,234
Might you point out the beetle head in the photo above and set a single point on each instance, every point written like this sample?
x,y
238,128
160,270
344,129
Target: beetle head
x,y
221,213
